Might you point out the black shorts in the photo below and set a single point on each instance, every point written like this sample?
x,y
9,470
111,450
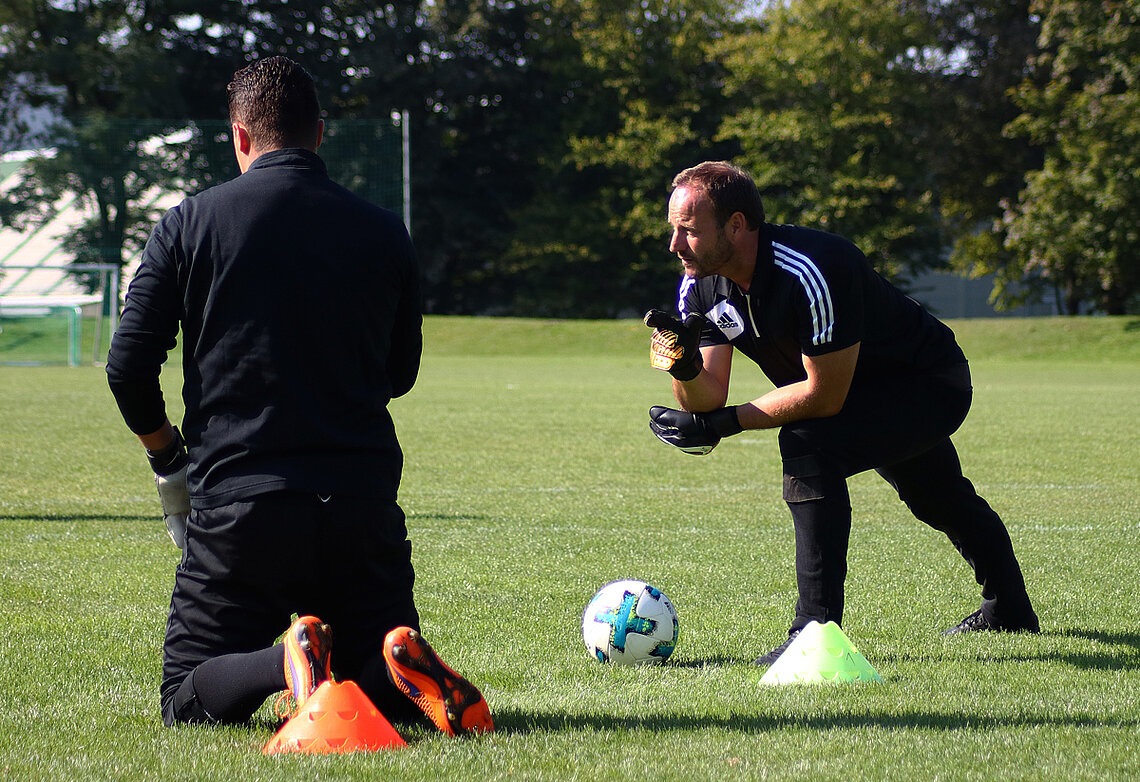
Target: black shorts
x,y
249,566
883,422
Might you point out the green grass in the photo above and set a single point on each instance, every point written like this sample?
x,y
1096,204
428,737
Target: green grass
x,y
45,340
531,479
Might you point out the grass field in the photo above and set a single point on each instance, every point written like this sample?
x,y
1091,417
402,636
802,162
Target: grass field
x,y
38,340
532,479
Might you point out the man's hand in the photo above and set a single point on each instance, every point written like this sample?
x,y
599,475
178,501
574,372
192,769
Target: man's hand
x,y
693,433
169,465
675,346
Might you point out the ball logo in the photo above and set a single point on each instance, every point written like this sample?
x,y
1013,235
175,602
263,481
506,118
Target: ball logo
x,y
623,619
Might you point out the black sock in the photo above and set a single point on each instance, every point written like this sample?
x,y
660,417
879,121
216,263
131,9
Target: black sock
x,y
230,688
393,704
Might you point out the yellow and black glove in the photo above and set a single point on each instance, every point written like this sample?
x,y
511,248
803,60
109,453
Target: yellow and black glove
x,y
675,346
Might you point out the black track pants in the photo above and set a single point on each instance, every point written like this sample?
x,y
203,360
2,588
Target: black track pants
x,y
248,567
901,428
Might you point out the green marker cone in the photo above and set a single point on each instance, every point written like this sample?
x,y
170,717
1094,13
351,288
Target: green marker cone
x,y
820,654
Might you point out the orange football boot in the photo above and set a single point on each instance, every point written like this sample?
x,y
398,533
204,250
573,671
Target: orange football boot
x,y
452,702
308,647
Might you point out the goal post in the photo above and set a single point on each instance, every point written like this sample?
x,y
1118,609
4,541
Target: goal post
x,y
59,323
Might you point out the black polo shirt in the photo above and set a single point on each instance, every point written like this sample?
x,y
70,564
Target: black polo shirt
x,y
814,293
299,308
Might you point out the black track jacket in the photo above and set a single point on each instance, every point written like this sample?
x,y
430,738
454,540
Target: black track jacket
x,y
299,306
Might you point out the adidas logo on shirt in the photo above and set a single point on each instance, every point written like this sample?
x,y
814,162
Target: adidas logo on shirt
x,y
726,323
725,317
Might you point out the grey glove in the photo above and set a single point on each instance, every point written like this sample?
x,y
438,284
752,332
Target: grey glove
x,y
169,465
175,499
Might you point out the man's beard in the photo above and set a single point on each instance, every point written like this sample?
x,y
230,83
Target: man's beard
x,y
712,260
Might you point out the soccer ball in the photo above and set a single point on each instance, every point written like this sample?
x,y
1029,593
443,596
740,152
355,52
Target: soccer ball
x,y
630,623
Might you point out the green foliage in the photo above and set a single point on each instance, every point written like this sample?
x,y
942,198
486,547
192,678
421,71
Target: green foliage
x,y
105,163
986,45
122,75
832,115
545,132
1076,224
95,62
530,479
632,97
982,50
659,97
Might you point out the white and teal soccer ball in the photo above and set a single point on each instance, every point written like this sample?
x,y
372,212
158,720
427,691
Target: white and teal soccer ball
x,y
630,623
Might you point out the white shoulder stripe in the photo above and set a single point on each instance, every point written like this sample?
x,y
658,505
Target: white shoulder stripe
x,y
686,283
818,294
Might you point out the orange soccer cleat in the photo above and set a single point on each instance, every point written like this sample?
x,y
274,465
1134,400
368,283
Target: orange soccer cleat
x,y
452,702
308,647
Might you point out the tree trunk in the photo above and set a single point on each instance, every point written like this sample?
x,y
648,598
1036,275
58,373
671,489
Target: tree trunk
x,y
1072,299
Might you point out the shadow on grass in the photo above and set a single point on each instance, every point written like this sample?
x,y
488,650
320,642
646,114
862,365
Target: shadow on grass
x,y
1124,657
718,661
70,517
414,516
66,518
1105,661
15,344
518,722
511,721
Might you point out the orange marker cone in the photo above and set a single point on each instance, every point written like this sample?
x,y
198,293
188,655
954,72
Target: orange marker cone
x,y
336,718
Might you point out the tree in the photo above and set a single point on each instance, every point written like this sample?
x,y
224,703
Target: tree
x,y
984,47
633,96
479,114
834,116
1076,224
121,74
88,62
543,131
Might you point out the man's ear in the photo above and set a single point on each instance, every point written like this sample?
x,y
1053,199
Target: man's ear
x,y
737,223
243,145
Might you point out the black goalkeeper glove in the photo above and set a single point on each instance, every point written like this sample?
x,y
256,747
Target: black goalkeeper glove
x,y
675,346
693,433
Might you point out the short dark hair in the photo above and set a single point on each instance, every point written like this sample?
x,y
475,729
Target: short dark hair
x,y
276,100
729,188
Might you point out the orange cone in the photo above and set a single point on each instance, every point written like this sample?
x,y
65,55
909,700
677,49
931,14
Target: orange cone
x,y
336,718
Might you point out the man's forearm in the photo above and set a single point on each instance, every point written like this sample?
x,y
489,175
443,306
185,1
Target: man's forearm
x,y
701,394
140,402
778,407
159,438
821,395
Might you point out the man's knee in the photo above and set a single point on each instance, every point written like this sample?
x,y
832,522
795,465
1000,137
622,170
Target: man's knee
x,y
809,473
180,703
804,479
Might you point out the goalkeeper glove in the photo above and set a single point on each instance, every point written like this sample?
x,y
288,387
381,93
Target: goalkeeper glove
x,y
169,465
693,433
675,346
